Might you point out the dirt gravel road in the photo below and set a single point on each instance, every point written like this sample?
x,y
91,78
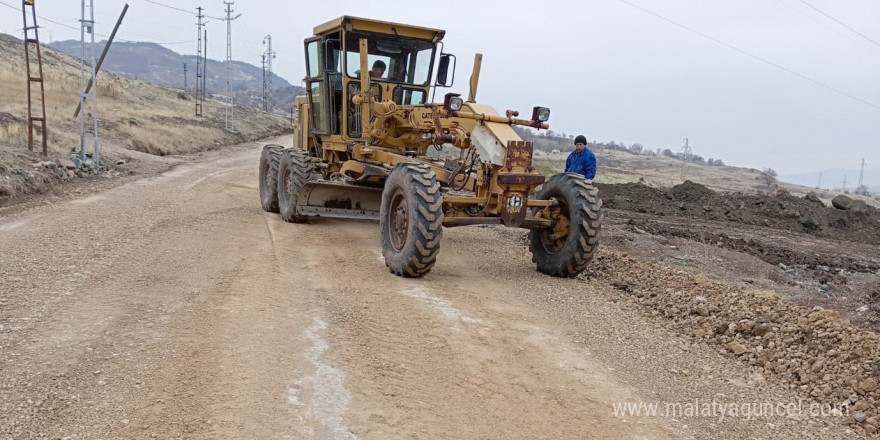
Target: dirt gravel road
x,y
173,307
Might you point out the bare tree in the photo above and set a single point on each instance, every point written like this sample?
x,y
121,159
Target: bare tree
x,y
769,176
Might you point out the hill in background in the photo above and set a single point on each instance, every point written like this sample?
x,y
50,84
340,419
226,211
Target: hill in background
x,y
155,64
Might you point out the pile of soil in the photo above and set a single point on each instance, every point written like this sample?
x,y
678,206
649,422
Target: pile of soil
x,y
812,350
782,211
773,253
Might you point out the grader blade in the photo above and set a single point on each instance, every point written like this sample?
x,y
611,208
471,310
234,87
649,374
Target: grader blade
x,y
321,198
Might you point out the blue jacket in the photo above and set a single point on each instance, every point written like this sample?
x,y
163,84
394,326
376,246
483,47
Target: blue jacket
x,y
581,163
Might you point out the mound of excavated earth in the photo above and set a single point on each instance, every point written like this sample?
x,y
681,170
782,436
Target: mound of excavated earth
x,y
812,350
783,211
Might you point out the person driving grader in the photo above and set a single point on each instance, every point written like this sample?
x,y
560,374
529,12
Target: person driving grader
x,y
378,69
363,154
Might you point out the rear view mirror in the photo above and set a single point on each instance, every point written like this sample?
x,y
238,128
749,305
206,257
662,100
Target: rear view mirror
x,y
443,73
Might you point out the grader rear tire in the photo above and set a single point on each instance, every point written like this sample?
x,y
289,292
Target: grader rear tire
x,y
269,162
565,250
292,176
411,218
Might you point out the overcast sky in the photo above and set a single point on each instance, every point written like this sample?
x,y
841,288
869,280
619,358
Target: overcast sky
x,y
605,68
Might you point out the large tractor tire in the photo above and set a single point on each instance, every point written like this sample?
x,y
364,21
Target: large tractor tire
x,y
410,218
270,160
565,250
292,176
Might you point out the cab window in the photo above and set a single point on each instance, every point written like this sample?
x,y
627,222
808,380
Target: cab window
x,y
405,60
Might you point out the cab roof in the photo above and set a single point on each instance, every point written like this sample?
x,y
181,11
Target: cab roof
x,y
350,23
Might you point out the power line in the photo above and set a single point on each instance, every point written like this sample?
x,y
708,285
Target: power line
x,y
249,36
823,23
53,21
170,7
840,22
763,60
42,18
178,9
100,35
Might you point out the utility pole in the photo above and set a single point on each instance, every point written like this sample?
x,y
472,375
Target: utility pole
x,y
268,56
819,185
862,173
265,104
104,54
34,76
185,86
87,25
200,66
205,67
686,155
204,70
844,183
230,100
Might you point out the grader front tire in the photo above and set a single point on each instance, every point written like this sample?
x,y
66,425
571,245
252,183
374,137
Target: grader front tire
x,y
565,250
410,218
270,160
292,176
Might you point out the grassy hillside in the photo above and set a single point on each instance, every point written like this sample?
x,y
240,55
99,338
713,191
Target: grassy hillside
x,y
133,117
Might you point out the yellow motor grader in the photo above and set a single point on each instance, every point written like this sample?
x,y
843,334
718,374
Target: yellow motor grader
x,y
369,143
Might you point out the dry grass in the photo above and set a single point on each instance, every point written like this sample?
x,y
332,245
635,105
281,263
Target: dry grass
x,y
132,116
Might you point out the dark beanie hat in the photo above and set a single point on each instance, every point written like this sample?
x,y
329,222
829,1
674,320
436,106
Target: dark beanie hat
x,y
580,139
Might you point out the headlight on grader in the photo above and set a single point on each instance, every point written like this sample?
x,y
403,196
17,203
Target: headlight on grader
x,y
453,102
540,114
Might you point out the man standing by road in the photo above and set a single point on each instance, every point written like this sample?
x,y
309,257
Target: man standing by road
x,y
581,160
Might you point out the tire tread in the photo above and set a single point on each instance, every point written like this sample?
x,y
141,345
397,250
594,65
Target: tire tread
x,y
580,248
419,253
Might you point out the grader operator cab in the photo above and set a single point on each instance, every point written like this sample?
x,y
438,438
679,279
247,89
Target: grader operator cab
x,y
366,139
